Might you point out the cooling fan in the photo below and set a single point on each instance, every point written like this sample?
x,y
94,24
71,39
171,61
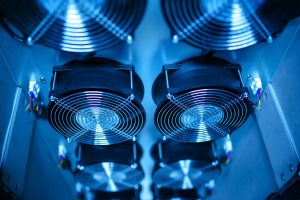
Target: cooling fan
x,y
75,25
200,100
227,24
184,166
96,101
113,168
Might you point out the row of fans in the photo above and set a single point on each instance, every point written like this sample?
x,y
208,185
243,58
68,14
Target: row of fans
x,y
97,102
181,170
95,25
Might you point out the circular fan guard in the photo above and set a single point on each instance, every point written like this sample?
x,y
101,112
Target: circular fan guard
x,y
201,115
225,24
185,174
96,117
75,25
110,176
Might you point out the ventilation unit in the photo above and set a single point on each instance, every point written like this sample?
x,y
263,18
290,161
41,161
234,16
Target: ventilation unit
x,y
75,26
113,168
97,101
184,166
200,100
227,24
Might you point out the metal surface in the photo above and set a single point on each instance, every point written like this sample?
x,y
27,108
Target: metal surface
x,y
285,81
15,152
275,132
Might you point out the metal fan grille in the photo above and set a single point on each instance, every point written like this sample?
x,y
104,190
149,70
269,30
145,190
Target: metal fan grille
x,y
110,176
75,25
216,24
96,117
185,174
201,115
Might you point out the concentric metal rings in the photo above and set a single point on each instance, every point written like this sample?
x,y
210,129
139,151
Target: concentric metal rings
x,y
223,24
221,112
96,117
75,26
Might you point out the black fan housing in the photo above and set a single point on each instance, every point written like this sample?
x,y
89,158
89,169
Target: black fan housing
x,y
184,166
200,100
96,101
75,26
113,168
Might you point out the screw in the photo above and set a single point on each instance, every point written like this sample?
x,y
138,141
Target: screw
x,y
43,80
129,39
282,176
249,77
175,39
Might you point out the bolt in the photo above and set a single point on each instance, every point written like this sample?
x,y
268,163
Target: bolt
x,y
164,138
134,139
43,80
161,164
129,39
283,176
175,39
249,77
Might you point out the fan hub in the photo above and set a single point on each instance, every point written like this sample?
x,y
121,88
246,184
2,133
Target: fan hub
x,y
202,116
97,119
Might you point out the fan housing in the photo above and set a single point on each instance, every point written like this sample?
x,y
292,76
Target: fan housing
x,y
96,101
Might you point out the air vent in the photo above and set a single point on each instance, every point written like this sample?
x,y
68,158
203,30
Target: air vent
x,y
96,102
111,168
227,24
184,166
75,26
200,100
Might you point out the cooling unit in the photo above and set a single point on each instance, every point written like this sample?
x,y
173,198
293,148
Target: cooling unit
x,y
113,168
73,25
200,100
96,101
227,24
184,166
